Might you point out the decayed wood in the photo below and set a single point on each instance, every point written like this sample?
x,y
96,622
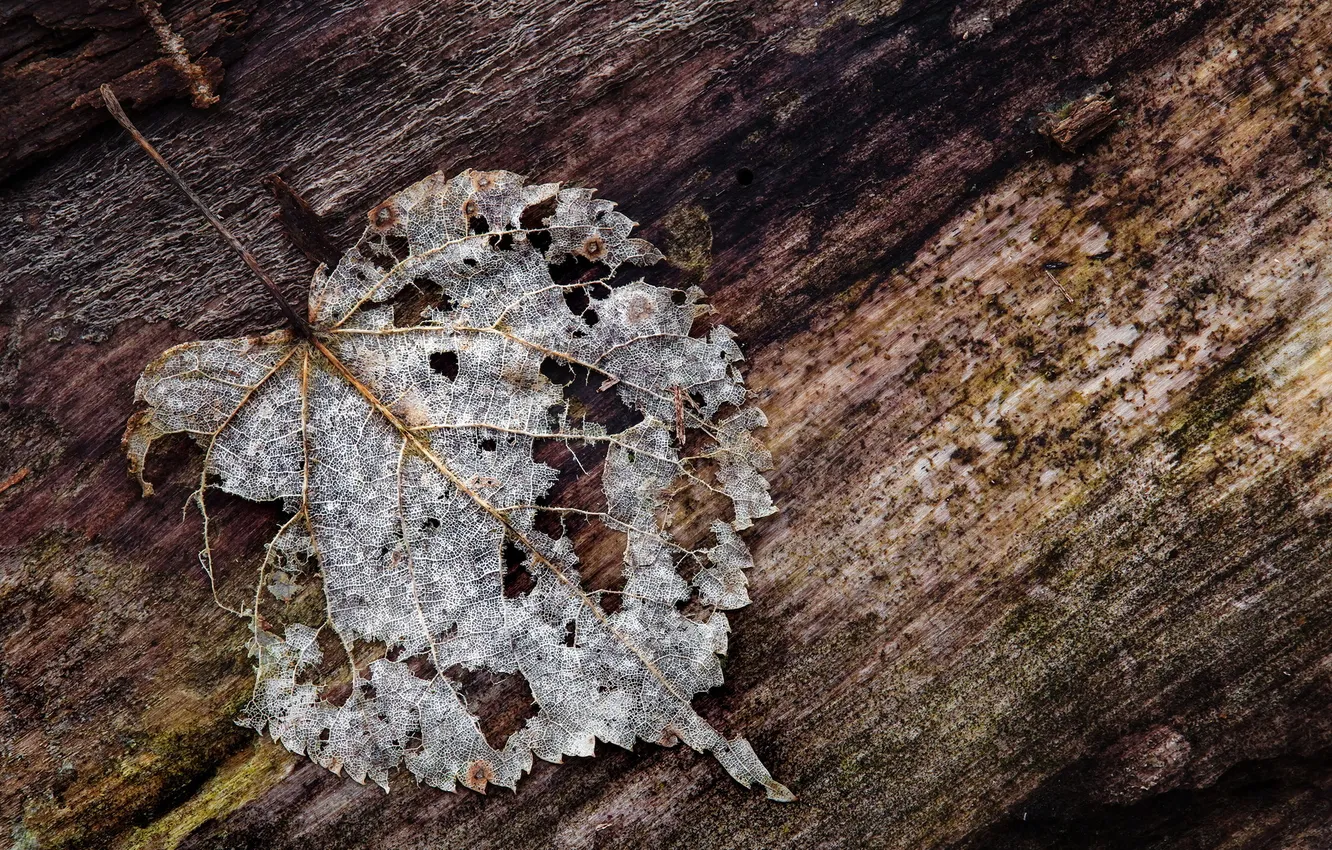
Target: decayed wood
x,y
1049,427
1080,121
54,55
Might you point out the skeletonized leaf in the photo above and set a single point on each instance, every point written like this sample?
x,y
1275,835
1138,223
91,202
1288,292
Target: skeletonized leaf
x,y
406,457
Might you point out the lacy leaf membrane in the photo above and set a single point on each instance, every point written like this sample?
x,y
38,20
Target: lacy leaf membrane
x,y
407,459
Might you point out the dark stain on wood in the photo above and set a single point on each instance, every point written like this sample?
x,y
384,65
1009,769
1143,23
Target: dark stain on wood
x,y
301,224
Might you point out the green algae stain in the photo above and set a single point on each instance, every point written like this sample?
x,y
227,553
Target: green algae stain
x,y
929,356
157,774
173,764
238,781
689,240
1219,398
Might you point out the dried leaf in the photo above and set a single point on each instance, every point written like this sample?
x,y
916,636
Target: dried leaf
x,y
406,483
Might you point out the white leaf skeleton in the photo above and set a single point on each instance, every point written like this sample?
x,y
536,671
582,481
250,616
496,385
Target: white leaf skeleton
x,y
405,482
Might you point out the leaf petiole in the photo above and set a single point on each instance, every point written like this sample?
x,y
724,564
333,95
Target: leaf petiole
x,y
298,324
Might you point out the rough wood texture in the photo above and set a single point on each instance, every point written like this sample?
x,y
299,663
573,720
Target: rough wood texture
x,y
54,55
1051,445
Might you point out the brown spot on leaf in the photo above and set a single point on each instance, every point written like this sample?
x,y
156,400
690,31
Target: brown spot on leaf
x,y
478,775
640,308
383,216
593,248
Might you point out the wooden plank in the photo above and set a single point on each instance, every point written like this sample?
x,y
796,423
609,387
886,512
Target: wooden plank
x,y
1049,427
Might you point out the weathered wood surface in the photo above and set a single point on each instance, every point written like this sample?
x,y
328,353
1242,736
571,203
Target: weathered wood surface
x,y
1051,446
53,53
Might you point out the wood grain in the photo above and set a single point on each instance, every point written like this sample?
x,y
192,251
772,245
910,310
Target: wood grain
x,y
1051,450
55,53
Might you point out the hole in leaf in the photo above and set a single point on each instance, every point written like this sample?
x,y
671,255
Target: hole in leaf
x,y
502,702
555,413
470,262
412,301
679,297
445,363
534,215
430,522
610,602
548,523
540,239
421,666
576,269
576,299
382,260
557,371
586,400
744,176
502,241
398,246
517,580
570,632
591,317
533,220
487,445
333,677
477,225
579,486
